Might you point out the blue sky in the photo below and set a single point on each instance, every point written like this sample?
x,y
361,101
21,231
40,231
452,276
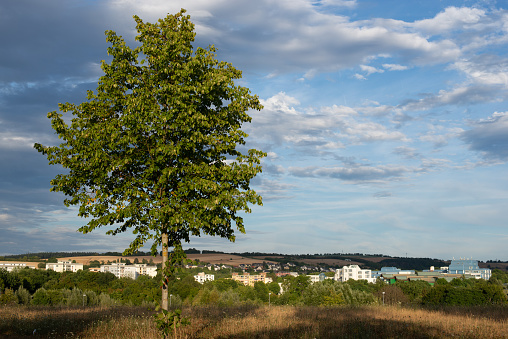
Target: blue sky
x,y
385,123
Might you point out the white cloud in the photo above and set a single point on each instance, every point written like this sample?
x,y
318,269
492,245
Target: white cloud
x,y
485,69
12,141
370,70
452,18
280,103
395,67
296,36
283,121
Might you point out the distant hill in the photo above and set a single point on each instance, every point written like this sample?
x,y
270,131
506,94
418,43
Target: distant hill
x,y
327,260
373,262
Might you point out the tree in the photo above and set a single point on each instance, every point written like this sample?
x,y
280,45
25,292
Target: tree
x,y
157,148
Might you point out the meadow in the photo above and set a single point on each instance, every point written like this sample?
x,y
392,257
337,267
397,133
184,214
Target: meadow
x,y
374,321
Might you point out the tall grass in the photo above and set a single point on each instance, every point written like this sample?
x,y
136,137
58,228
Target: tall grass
x,y
260,322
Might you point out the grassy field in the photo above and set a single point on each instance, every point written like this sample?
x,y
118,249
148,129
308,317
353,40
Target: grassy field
x,y
259,322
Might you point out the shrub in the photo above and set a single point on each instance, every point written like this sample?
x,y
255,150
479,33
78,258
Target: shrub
x,y
41,297
23,296
7,297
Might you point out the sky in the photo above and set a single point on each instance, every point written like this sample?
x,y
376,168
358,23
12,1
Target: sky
x,y
385,123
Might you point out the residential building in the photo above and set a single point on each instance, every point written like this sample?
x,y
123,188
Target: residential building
x,y
11,266
64,266
469,267
314,278
121,270
144,269
249,280
353,272
201,277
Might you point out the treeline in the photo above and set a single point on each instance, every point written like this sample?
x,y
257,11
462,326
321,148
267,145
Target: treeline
x,y
50,255
39,287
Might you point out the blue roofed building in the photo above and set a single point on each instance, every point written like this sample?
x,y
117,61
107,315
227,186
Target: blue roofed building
x,y
469,267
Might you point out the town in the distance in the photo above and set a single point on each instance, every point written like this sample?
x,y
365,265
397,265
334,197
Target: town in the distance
x,y
249,268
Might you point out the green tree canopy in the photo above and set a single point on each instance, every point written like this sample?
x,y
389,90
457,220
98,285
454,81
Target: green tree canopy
x,y
157,148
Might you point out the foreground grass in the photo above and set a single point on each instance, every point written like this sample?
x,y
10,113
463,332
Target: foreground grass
x,y
260,322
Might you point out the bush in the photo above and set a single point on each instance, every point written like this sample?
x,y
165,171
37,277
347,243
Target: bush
x,y
23,296
482,293
229,298
41,297
105,300
7,297
323,294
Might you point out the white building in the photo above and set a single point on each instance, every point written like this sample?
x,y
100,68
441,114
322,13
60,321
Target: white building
x,y
11,266
201,277
121,270
64,266
353,272
314,278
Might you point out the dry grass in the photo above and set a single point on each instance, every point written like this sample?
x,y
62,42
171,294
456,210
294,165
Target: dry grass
x,y
74,322
260,322
361,322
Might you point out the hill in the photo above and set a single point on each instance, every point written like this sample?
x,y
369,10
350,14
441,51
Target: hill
x,y
327,260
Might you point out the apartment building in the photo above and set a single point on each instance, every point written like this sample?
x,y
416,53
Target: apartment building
x,y
249,280
201,277
353,272
314,278
122,270
11,266
64,266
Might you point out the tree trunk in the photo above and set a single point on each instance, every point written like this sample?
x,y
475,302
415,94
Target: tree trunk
x,y
165,262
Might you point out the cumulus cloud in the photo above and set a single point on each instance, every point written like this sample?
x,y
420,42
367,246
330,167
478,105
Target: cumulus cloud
x,y
283,121
297,36
370,70
486,69
452,18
